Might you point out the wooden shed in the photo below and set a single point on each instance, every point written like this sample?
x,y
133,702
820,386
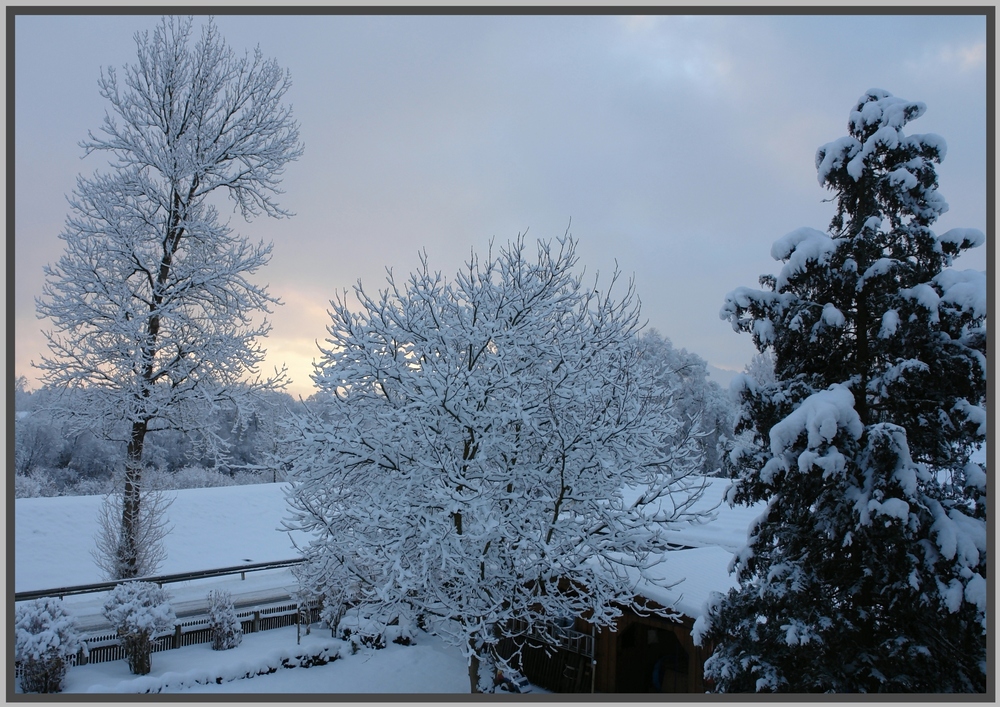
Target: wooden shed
x,y
643,653
649,654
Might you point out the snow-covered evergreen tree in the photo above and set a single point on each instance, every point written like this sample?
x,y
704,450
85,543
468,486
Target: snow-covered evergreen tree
x,y
45,638
227,631
138,611
867,573
488,451
151,305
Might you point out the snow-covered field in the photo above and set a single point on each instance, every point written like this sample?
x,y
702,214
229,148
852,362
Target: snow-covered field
x,y
234,525
212,527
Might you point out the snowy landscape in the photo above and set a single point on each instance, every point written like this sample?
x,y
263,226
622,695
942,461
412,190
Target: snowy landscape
x,y
55,541
498,476
235,525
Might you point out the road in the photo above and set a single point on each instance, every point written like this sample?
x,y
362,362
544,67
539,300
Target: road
x,y
190,598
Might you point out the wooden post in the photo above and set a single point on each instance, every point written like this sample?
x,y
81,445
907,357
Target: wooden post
x,y
177,636
593,656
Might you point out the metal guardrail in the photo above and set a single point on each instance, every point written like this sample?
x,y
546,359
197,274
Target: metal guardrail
x,y
162,579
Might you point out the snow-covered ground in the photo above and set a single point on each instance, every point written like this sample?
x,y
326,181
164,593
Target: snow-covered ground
x,y
427,666
235,525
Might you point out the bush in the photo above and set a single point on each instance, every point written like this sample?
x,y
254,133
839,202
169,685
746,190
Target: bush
x,y
368,626
227,631
46,637
92,487
138,611
27,486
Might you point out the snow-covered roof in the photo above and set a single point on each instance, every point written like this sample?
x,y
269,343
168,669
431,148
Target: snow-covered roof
x,y
703,565
697,572
726,526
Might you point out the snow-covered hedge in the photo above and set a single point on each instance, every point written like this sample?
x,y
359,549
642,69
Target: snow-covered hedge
x,y
46,637
138,611
319,653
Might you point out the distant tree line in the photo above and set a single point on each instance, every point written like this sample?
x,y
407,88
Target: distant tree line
x,y
51,460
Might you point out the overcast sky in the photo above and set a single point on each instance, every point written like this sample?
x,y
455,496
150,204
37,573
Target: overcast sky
x,y
681,147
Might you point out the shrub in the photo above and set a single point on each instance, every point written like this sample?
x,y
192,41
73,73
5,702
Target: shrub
x,y
227,631
367,626
46,637
27,486
138,611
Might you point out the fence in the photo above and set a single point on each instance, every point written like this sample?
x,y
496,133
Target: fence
x,y
190,630
160,579
194,630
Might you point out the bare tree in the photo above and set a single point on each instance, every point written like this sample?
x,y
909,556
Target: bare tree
x,y
151,306
150,527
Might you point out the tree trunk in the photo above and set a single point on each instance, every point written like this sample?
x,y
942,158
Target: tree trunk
x,y
128,551
139,651
473,671
863,365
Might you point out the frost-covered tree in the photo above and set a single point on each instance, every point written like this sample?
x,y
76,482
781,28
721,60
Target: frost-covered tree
x,y
139,611
761,367
36,442
488,452
151,305
45,639
867,573
703,409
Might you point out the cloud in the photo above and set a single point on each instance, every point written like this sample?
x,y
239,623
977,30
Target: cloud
x,y
945,60
669,50
967,57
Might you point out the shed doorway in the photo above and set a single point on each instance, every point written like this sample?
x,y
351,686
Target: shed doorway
x,y
650,659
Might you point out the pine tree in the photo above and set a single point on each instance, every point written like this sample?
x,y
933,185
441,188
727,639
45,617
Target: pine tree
x,y
867,572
